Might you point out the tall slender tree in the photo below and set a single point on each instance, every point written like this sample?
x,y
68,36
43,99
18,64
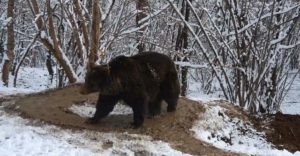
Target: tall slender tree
x,y
182,45
52,45
142,9
95,32
10,43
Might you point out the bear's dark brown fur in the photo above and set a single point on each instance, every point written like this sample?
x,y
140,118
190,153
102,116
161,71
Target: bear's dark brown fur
x,y
141,81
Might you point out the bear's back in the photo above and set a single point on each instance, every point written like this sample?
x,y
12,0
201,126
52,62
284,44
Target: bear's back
x,y
145,64
152,57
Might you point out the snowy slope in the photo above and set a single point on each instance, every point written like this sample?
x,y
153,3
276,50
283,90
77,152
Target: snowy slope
x,y
29,80
217,129
22,137
233,134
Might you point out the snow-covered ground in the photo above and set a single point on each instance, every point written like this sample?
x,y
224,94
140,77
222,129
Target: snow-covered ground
x,y
87,110
291,103
196,93
19,136
29,80
22,137
233,134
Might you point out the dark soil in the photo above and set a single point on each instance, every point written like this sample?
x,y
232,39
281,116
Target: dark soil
x,y
282,130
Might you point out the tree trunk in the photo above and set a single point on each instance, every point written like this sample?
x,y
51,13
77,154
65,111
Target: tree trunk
x,y
53,47
141,7
10,43
95,32
83,23
182,45
57,50
23,58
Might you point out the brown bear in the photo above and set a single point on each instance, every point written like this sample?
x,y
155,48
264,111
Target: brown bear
x,y
141,81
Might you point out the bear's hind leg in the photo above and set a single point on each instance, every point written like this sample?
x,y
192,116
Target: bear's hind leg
x,y
138,115
172,103
170,91
154,107
139,110
105,105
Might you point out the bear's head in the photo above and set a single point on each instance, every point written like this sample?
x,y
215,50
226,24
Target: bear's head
x,y
99,79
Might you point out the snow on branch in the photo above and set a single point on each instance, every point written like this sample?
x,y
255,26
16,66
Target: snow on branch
x,y
7,21
188,64
202,48
281,46
107,9
151,15
144,21
261,18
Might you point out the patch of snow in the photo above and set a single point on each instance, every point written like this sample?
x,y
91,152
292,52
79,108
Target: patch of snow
x,y
88,110
200,96
196,93
43,35
291,103
7,21
12,91
29,80
188,64
20,137
232,134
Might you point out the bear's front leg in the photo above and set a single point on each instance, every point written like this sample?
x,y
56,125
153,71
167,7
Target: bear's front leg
x,y
105,105
138,106
138,115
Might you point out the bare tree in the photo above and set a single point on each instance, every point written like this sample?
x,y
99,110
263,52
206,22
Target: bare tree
x,y
53,46
248,51
182,46
95,31
142,9
8,60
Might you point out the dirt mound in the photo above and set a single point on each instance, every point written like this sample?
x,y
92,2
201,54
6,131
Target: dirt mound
x,y
53,107
282,130
287,129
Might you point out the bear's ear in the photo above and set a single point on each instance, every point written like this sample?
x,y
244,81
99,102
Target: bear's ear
x,y
92,65
99,69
